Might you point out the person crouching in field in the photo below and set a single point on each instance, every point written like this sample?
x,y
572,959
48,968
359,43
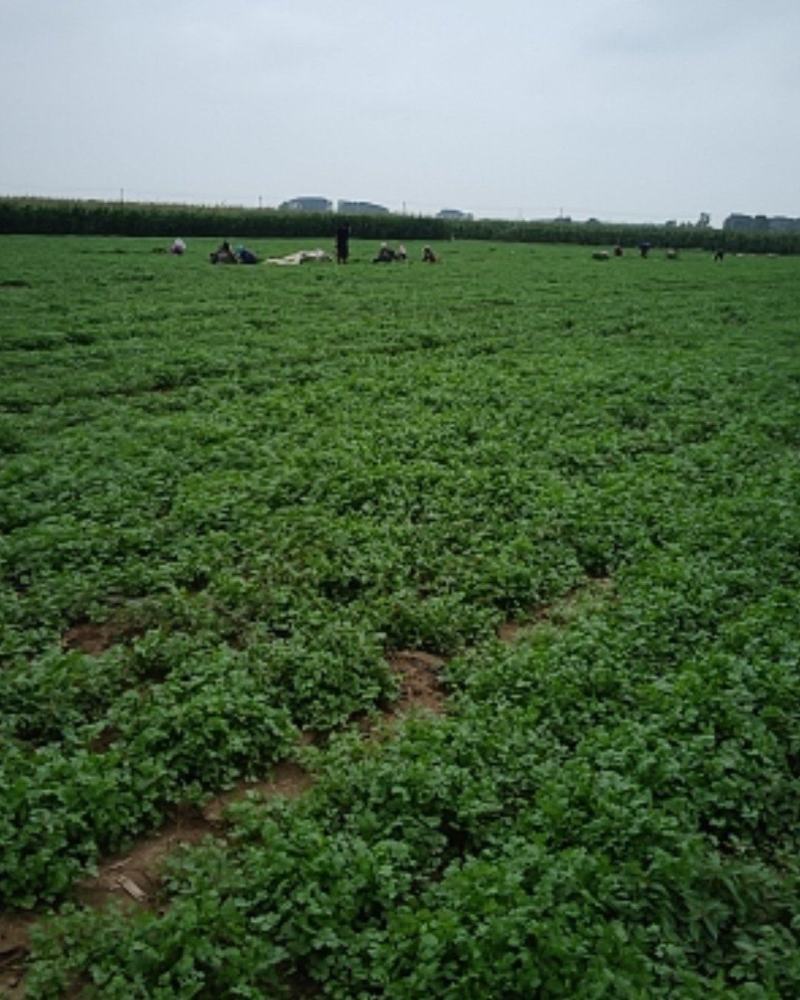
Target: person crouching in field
x,y
245,256
223,254
178,247
428,256
385,255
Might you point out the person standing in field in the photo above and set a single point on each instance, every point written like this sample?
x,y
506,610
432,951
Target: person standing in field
x,y
342,243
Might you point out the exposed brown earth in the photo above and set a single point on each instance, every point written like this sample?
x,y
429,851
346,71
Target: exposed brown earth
x,y
420,687
89,637
133,879
14,944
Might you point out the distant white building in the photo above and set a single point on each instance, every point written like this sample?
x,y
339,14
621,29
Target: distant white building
x,y
307,204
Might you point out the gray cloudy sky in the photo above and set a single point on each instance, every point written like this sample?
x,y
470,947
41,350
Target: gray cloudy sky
x,y
620,109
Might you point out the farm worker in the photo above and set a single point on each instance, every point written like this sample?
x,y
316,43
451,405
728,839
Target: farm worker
x,y
618,250
178,247
342,243
246,256
402,253
223,254
719,254
644,249
428,256
385,255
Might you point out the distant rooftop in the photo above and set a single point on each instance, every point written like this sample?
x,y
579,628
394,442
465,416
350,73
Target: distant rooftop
x,y
307,203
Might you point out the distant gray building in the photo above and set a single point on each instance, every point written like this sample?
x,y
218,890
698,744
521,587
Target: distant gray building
x,y
307,204
739,223
782,224
360,208
454,214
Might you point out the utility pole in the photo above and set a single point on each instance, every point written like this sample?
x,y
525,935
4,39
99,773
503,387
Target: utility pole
x,y
259,201
122,196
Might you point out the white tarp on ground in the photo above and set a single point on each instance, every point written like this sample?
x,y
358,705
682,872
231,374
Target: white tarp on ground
x,y
300,257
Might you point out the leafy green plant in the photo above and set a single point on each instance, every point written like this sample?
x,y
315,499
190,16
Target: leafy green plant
x,y
580,485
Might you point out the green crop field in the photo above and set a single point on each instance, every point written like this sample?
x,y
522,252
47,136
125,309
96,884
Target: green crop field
x,y
235,501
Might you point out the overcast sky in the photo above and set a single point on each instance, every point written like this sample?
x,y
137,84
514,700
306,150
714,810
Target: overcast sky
x,y
620,109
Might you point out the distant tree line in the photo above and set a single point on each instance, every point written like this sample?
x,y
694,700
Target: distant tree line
x,y
103,218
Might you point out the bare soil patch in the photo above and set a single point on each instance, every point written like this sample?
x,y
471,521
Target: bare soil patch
x,y
420,686
133,879
14,944
103,742
92,638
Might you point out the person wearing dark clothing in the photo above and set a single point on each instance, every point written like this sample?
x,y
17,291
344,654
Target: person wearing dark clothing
x,y
644,249
719,254
342,243
246,256
223,254
428,256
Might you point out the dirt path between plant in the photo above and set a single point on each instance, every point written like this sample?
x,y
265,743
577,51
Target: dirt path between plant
x,y
133,879
14,945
